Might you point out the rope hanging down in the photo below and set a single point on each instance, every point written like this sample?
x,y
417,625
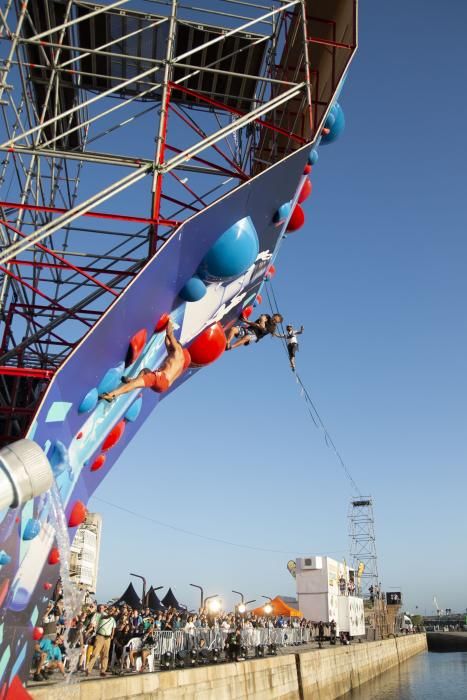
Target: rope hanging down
x,y
311,408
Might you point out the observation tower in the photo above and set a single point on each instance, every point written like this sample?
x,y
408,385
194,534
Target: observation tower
x,y
154,155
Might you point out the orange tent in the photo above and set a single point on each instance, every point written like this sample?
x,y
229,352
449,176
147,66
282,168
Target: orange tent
x,y
278,608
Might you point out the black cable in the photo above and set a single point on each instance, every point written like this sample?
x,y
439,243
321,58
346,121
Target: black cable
x,y
311,408
197,534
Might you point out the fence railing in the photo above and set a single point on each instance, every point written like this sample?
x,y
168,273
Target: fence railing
x,y
168,644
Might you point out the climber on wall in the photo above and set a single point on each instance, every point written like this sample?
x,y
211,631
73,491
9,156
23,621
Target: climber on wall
x,y
177,360
292,343
253,331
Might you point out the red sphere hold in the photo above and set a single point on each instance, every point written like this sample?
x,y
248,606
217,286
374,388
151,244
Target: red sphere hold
x,y
47,586
208,346
37,633
270,272
247,311
98,463
54,556
259,299
114,436
305,191
297,219
137,344
162,322
307,170
77,515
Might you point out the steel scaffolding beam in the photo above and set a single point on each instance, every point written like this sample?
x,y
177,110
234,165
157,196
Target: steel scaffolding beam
x,y
192,101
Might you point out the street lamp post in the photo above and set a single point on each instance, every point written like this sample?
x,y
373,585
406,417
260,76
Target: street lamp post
x,y
201,591
143,600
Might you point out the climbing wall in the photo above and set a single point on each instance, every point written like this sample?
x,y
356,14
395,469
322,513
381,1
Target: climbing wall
x,y
205,277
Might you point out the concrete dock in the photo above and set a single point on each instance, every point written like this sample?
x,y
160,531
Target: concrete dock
x,y
325,674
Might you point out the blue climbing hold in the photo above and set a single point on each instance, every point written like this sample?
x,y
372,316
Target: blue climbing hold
x,y
338,125
330,119
111,379
58,457
32,529
134,410
282,213
4,558
193,290
233,252
89,402
313,157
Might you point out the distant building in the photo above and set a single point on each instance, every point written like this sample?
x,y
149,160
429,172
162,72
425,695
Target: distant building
x,y
84,553
323,586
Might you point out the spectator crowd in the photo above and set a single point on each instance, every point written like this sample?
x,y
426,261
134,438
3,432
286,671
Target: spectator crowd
x,y
104,633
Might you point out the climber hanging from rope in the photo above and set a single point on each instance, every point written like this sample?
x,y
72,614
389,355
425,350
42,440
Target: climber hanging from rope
x,y
253,331
292,343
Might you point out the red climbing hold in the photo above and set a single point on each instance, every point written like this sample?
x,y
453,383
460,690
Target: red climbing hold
x,y
305,191
47,586
259,299
98,463
17,691
270,272
37,633
208,346
77,515
297,219
162,322
137,344
114,436
247,311
187,357
307,169
80,435
4,590
54,556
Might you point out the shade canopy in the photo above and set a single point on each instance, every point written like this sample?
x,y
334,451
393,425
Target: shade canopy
x,y
130,597
170,601
279,607
153,602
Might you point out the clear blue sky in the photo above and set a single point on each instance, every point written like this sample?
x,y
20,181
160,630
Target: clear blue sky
x,y
378,278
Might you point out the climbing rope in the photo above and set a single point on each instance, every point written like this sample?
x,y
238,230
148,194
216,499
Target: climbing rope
x,y
310,405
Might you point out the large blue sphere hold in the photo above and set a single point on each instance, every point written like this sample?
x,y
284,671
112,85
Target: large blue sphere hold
x,y
338,125
193,290
233,252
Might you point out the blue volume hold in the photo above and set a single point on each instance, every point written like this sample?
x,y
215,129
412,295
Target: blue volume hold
x,y
32,529
233,252
4,558
193,290
89,402
282,213
134,410
338,125
111,379
313,157
58,457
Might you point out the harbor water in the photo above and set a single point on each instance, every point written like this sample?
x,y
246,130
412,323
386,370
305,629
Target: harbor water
x,y
429,676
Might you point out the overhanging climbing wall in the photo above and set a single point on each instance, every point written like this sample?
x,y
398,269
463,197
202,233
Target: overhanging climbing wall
x,y
205,274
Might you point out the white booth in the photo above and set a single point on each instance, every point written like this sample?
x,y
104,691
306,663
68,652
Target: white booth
x,y
325,592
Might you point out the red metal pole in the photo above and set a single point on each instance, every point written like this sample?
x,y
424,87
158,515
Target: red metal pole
x,y
156,204
92,214
26,372
221,105
44,296
62,260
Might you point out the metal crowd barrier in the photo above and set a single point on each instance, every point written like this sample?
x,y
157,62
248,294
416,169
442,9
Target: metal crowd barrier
x,y
203,637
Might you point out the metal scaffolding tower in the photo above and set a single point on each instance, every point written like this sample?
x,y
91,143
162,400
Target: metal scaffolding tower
x,y
117,125
363,545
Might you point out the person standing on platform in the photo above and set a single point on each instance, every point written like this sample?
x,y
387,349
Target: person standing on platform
x,y
105,629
